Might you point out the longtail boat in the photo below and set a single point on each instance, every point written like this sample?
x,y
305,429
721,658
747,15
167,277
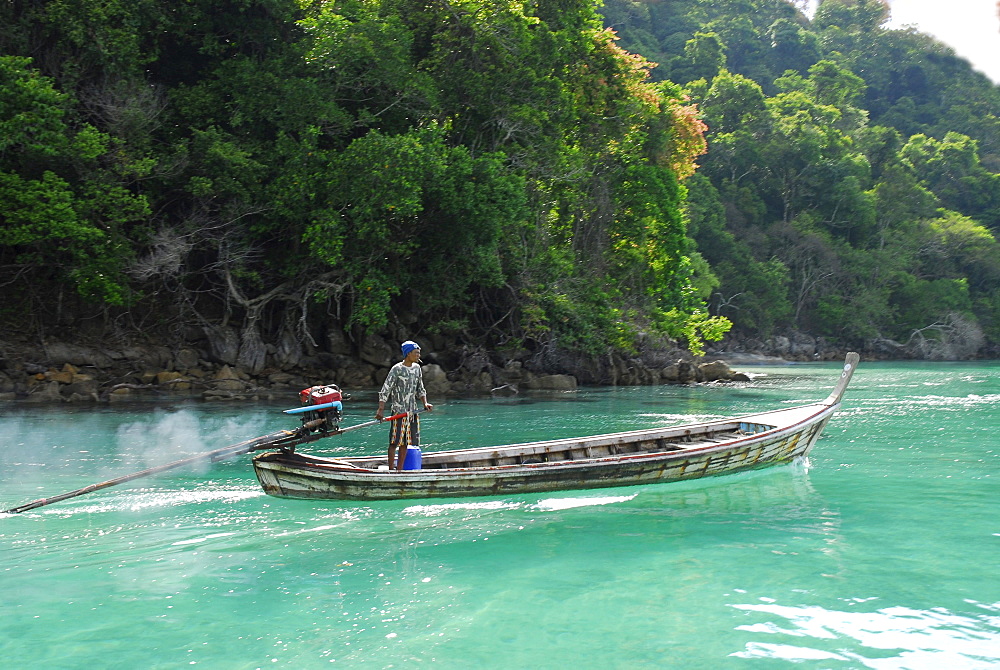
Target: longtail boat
x,y
666,454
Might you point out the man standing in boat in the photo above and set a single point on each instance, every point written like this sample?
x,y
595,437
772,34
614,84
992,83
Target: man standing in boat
x,y
402,388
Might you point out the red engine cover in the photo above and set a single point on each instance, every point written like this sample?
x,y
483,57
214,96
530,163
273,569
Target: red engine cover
x,y
320,395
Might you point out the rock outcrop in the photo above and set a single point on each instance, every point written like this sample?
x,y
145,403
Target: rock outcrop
x,y
74,372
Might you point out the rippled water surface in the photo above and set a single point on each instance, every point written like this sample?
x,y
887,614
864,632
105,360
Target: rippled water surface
x,y
879,552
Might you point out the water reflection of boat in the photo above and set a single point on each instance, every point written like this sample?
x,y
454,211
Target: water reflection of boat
x,y
782,493
654,455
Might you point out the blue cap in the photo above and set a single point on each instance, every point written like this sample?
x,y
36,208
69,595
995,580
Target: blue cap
x,y
409,346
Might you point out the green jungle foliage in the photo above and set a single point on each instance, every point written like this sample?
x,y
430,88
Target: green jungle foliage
x,y
514,173
498,170
851,185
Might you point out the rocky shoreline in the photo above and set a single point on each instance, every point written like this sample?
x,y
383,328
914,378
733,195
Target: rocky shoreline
x,y
207,367
90,373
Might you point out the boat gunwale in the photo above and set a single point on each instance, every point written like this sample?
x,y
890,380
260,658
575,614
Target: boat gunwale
x,y
704,427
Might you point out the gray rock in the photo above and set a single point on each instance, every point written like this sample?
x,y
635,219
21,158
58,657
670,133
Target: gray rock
x,y
513,371
476,362
482,383
337,342
687,372
83,388
49,392
715,371
552,382
671,373
186,359
288,352
280,378
227,379
379,353
357,376
435,380
60,353
160,358
223,344
780,345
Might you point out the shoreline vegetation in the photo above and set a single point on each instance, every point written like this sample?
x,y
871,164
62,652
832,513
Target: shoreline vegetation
x,y
228,198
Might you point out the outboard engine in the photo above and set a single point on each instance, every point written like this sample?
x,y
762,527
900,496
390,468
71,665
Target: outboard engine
x,y
328,400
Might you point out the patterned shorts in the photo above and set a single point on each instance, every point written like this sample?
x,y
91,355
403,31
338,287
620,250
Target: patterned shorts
x,y
405,431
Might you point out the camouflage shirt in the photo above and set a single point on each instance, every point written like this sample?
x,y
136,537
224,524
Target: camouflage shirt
x,y
402,388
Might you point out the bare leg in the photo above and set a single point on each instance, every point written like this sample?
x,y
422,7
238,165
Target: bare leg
x,y
404,440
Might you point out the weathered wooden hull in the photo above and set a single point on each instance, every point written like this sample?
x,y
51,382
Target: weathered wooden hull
x,y
667,454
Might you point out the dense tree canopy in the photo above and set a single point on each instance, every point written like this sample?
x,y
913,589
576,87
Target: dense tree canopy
x,y
517,173
499,169
839,154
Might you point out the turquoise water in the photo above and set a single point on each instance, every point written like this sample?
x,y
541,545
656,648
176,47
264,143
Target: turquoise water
x,y
879,552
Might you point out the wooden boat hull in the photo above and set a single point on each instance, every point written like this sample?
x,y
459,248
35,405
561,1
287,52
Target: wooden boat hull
x,y
667,454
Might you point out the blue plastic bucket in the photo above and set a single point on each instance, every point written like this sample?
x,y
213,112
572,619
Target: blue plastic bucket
x,y
413,458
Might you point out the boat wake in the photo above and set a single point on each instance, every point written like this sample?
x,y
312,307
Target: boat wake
x,y
556,504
